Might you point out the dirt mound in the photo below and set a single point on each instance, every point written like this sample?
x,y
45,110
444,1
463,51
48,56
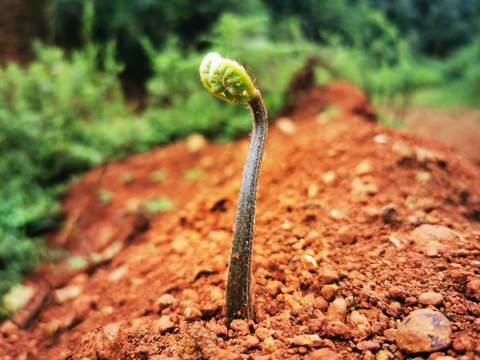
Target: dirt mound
x,y
459,127
357,227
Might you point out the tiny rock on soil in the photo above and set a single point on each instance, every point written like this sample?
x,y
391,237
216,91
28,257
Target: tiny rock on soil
x,y
366,246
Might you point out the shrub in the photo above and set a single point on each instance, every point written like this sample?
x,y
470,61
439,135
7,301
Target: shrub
x,y
58,116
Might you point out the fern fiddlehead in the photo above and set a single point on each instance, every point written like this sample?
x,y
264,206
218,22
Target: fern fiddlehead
x,y
228,80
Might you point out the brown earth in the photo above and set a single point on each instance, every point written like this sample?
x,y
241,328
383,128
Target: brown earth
x,y
459,127
357,226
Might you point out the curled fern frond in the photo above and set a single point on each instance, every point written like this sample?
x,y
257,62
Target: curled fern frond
x,y
226,79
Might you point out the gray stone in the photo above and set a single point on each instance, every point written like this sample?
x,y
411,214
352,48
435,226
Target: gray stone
x,y
424,330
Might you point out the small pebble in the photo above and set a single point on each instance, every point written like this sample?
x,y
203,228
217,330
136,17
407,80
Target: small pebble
x,y
424,330
118,273
195,142
476,324
189,294
359,325
192,313
360,190
262,333
313,190
368,355
346,234
273,287
286,126
337,310
8,328
364,167
269,345
221,331
320,303
163,324
394,308
329,291
251,342
397,293
381,139
389,214
241,326
430,298
403,150
163,302
307,340
411,301
384,355
142,351
50,328
216,294
110,343
337,330
67,293
309,263
368,345
390,335
18,297
329,177
463,342
473,290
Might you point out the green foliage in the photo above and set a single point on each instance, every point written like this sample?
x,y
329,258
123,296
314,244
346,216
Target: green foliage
x,y
157,205
194,174
58,116
177,98
434,28
159,175
130,20
226,79
105,196
463,67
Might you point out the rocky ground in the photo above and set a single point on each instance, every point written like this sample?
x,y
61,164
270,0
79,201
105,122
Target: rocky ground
x,y
366,246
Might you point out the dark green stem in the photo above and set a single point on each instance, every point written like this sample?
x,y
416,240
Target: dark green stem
x,y
239,294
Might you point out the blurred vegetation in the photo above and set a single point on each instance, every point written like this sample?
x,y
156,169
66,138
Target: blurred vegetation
x,y
66,110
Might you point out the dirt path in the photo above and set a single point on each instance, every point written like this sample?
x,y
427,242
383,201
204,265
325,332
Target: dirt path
x,y
358,227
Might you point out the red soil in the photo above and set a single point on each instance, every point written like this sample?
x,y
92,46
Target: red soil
x,y
339,198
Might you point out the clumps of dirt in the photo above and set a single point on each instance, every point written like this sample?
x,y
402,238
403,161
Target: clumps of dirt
x,y
359,229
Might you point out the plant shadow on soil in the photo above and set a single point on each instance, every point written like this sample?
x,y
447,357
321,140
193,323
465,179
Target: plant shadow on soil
x,y
341,254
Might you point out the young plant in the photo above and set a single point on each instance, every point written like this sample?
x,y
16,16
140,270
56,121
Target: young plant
x,y
228,80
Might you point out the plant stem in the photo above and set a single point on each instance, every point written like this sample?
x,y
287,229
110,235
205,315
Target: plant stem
x,y
239,294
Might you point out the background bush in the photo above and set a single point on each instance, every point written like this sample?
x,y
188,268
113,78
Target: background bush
x,y
58,116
